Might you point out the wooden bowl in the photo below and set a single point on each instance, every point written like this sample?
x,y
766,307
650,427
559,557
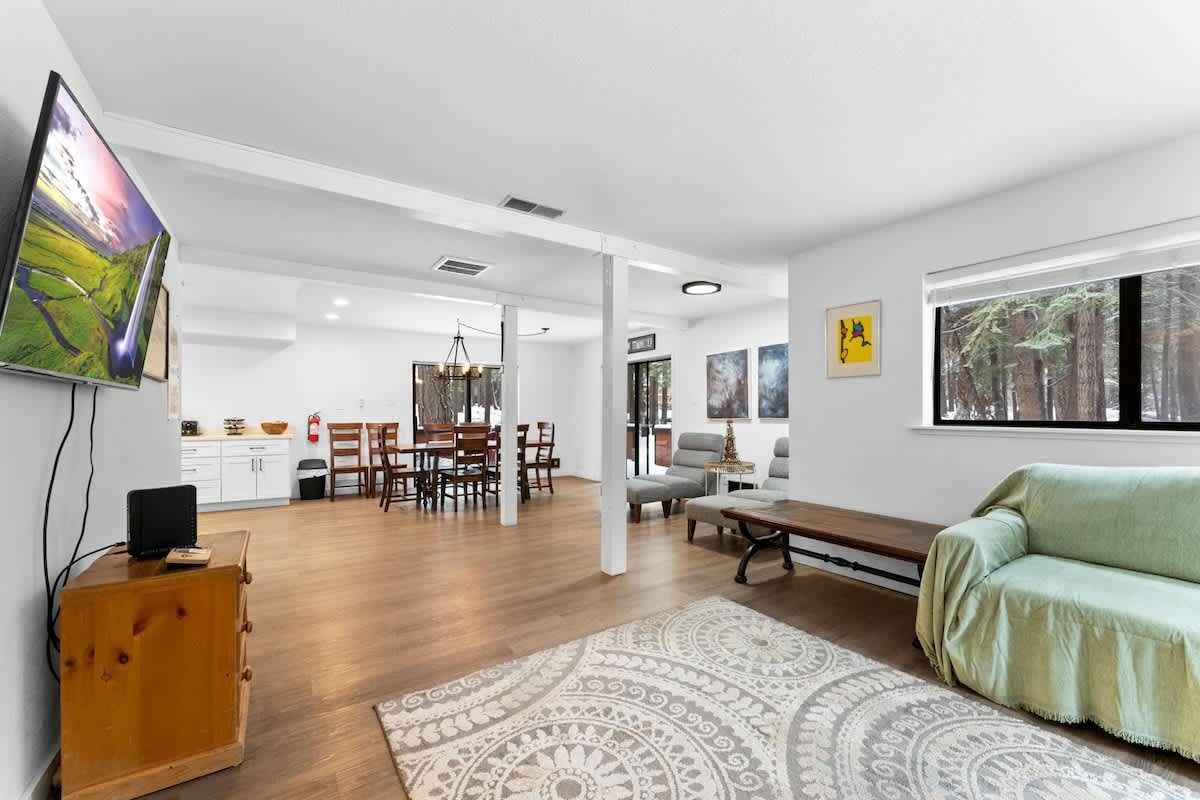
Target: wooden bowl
x,y
274,428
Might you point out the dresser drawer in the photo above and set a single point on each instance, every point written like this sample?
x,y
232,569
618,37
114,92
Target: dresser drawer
x,y
206,491
256,447
200,469
189,450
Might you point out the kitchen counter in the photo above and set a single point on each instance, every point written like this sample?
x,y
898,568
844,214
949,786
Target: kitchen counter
x,y
249,434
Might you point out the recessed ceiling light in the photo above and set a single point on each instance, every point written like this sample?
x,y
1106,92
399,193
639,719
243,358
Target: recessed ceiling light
x,y
332,316
341,302
701,287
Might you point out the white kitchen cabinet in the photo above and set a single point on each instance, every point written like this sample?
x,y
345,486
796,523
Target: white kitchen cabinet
x,y
237,472
274,476
239,481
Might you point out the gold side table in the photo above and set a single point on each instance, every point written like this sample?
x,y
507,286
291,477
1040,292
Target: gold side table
x,y
720,468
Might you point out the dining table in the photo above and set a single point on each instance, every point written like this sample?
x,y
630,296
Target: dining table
x,y
426,455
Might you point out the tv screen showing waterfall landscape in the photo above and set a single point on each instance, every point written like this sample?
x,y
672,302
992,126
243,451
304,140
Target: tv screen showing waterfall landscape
x,y
83,270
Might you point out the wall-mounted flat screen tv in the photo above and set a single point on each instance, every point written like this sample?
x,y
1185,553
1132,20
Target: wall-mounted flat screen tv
x,y
81,278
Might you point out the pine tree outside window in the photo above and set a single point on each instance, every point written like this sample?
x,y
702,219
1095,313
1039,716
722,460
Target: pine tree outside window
x,y
1099,334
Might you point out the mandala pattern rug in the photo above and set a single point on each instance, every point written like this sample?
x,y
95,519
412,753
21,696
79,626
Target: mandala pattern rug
x,y
714,701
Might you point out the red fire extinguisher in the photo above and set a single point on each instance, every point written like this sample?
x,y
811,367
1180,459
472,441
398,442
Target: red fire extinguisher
x,y
314,426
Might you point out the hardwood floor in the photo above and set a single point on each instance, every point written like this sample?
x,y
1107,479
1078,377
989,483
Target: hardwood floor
x,y
352,606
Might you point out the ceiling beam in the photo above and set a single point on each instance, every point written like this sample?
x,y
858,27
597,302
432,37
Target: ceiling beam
x,y
227,259
138,134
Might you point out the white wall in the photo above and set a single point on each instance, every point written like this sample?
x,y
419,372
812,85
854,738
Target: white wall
x,y
746,329
854,436
352,374
136,445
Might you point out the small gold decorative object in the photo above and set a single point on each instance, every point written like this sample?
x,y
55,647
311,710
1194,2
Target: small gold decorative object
x,y
730,456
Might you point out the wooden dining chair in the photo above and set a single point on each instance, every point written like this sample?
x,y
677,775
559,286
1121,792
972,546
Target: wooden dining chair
x,y
438,432
396,476
543,456
346,455
468,467
374,458
495,460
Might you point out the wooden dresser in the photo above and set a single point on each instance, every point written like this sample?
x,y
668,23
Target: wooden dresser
x,y
155,686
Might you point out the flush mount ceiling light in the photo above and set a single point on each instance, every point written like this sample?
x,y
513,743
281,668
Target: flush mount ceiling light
x,y
341,302
332,316
701,287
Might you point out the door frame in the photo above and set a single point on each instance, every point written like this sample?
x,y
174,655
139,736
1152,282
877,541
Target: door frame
x,y
632,370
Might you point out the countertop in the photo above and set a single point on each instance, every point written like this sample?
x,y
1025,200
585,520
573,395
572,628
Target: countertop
x,y
249,434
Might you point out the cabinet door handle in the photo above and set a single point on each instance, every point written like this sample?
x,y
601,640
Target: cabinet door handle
x,y
260,465
247,674
193,469
263,447
248,626
247,577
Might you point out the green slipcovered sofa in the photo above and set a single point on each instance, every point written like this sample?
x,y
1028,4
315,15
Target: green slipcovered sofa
x,y
1074,593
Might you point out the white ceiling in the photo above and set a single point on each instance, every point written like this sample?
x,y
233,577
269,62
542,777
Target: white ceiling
x,y
212,208
742,131
309,302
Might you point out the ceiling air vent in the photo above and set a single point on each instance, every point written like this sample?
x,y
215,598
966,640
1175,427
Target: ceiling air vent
x,y
528,207
460,266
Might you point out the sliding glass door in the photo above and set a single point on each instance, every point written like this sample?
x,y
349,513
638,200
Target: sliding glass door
x,y
648,437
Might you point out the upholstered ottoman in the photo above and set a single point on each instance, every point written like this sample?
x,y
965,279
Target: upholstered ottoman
x,y
638,491
708,509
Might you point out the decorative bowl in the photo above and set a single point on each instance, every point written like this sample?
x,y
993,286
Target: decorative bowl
x,y
273,428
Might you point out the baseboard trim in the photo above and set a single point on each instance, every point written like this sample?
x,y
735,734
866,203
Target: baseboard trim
x,y
240,504
42,785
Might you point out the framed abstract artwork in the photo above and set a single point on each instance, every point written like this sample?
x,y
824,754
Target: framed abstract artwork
x,y
156,352
174,375
852,339
727,380
773,381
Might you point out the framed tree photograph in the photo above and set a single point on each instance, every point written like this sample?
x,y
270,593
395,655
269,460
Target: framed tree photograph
x,y
727,379
852,339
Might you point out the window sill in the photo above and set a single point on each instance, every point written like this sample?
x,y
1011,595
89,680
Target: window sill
x,y
1071,434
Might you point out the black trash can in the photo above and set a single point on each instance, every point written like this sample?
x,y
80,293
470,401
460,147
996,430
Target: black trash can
x,y
311,474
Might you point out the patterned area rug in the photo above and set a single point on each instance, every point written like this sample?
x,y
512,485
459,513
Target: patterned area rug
x,y
715,701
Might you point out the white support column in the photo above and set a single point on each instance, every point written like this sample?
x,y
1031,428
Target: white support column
x,y
612,404
509,383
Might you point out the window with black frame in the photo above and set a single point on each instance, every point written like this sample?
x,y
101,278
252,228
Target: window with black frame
x,y
440,401
1117,353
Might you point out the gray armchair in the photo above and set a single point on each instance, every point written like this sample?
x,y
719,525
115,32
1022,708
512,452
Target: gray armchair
x,y
774,487
685,478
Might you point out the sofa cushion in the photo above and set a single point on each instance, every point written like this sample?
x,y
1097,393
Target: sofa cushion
x,y
708,442
708,509
638,491
677,485
1136,518
778,469
694,451
759,495
1076,641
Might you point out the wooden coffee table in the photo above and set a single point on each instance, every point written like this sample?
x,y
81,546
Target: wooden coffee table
x,y
893,537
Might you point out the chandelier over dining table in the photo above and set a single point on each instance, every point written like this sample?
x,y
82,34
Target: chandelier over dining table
x,y
450,368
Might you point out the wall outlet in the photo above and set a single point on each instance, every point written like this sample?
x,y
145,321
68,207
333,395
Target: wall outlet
x,y
556,463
